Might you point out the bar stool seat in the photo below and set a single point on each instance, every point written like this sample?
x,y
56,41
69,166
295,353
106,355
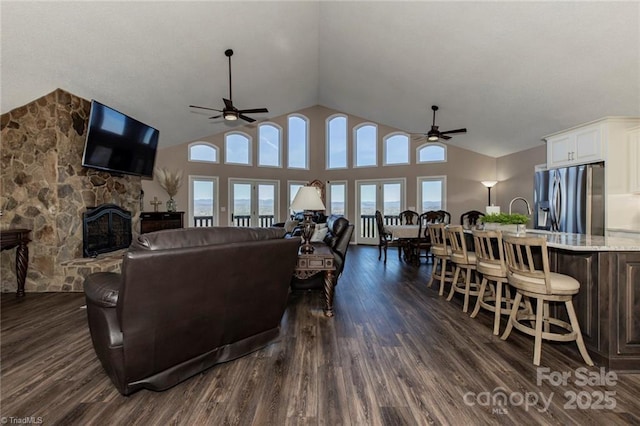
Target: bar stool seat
x,y
494,294
465,262
545,287
441,252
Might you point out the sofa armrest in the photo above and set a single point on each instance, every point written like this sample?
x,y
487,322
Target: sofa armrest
x,y
102,289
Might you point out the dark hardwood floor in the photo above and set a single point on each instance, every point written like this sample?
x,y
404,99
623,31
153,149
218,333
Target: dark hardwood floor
x,y
395,354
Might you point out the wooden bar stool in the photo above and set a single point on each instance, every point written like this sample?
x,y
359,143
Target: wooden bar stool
x,y
545,287
441,256
494,288
465,262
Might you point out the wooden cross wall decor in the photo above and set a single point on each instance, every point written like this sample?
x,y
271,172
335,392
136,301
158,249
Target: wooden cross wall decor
x,y
155,203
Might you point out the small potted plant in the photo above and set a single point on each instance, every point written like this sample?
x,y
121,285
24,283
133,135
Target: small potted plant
x,y
514,222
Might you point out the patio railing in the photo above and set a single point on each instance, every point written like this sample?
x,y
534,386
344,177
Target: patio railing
x,y
368,224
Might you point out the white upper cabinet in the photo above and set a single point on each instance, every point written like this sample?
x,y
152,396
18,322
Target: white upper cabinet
x,y
576,146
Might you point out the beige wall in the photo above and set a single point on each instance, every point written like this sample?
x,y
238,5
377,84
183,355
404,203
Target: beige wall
x,y
464,169
515,178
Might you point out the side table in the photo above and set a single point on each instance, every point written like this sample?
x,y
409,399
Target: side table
x,y
10,238
321,260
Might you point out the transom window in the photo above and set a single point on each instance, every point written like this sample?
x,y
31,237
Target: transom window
x,y
432,153
237,148
203,151
396,149
269,145
365,140
337,142
298,142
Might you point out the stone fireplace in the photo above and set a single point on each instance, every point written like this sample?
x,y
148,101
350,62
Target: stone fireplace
x,y
43,187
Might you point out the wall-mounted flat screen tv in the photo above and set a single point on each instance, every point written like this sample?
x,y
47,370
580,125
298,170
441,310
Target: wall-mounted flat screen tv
x,y
118,143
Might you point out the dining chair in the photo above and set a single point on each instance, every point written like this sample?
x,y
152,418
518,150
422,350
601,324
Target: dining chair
x,y
470,219
441,251
408,217
385,239
446,216
533,278
422,242
465,262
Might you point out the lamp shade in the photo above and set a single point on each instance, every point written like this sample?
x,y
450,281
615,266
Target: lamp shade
x,y
307,198
489,183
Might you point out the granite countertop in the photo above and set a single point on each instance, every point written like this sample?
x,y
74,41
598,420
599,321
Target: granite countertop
x,y
580,242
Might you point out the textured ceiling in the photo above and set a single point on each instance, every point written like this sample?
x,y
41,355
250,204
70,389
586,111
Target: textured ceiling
x,y
511,72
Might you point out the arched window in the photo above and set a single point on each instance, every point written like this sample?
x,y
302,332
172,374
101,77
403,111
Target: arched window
x,y
237,148
396,149
269,145
298,142
365,145
203,151
337,142
431,153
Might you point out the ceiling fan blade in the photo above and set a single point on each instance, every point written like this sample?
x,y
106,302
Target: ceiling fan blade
x,y
454,131
201,107
445,137
227,103
245,118
216,116
253,111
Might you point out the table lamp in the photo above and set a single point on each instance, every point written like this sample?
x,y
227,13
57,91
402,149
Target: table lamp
x,y
308,200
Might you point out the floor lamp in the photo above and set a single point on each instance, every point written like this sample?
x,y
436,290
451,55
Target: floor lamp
x,y
490,207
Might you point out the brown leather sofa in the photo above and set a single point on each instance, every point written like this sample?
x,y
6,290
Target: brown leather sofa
x,y
337,238
188,299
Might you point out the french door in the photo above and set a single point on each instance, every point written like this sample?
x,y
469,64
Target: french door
x,y
386,195
203,200
253,202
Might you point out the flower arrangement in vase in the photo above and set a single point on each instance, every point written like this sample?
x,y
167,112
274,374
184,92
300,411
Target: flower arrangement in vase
x,y
170,181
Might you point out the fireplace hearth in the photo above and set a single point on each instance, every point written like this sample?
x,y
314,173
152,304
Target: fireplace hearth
x,y
105,228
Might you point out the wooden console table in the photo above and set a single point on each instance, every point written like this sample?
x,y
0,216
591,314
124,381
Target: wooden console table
x,y
321,260
156,221
10,238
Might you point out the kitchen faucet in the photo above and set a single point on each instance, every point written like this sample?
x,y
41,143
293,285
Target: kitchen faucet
x,y
525,201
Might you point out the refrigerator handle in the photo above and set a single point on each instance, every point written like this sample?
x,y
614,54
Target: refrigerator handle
x,y
554,203
558,202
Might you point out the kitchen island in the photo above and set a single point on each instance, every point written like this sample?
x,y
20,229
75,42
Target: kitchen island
x,y
608,303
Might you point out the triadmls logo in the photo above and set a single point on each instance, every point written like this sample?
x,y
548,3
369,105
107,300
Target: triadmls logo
x,y
501,401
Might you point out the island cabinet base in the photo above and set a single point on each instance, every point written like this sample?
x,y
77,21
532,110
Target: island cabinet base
x,y
608,304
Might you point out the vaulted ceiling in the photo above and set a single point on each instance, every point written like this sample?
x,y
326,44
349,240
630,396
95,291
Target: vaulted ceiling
x,y
511,72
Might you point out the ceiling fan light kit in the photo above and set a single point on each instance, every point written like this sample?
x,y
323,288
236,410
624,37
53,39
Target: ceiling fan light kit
x,y
230,112
434,134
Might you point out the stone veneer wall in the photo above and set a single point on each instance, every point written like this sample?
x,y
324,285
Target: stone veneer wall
x,y
44,188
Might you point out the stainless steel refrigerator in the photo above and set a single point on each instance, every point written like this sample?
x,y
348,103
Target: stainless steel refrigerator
x,y
570,199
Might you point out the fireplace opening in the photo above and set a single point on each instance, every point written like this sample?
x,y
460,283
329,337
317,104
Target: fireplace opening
x,y
105,228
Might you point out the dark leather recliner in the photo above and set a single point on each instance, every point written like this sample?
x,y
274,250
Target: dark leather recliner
x,y
337,238
188,299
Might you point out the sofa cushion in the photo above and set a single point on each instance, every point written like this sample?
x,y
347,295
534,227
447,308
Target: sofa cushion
x,y
337,225
195,237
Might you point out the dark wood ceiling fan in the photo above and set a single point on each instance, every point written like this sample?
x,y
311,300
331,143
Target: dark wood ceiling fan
x,y
230,112
434,134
